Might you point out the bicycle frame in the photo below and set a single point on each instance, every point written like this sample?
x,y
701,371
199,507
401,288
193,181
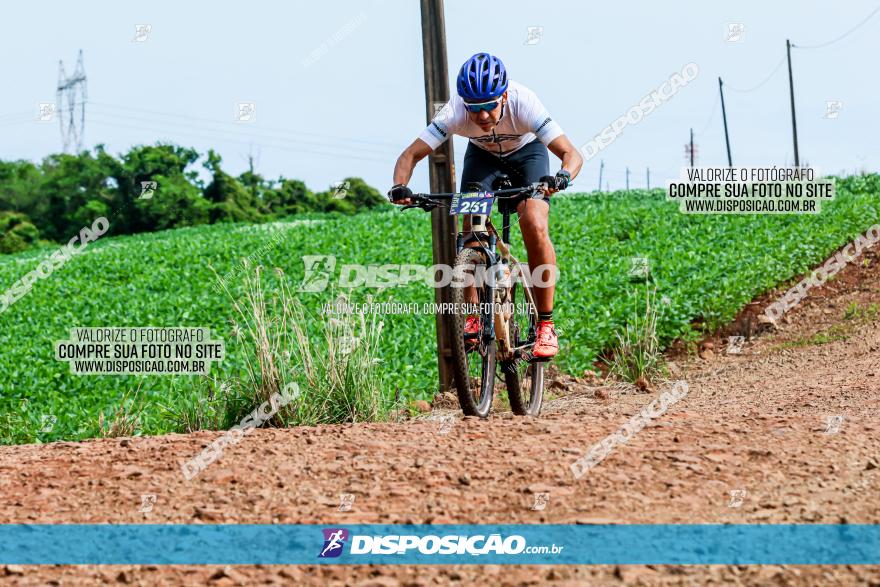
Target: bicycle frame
x,y
482,224
502,315
507,333
497,252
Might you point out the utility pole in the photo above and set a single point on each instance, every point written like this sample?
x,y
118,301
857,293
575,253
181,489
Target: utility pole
x,y
442,175
692,147
797,159
689,149
648,180
601,169
724,116
627,178
251,177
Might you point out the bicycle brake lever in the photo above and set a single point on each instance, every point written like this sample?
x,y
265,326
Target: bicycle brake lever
x,y
427,207
540,191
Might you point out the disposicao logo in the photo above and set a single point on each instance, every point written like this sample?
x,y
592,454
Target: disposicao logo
x,y
334,540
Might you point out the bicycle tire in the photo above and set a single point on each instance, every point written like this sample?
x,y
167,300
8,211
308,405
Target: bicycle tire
x,y
524,380
482,404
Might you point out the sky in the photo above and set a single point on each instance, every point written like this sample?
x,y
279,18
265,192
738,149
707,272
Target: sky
x,y
338,86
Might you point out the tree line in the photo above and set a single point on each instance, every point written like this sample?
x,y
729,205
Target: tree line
x,y
151,188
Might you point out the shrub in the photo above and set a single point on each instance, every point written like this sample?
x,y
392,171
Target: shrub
x,y
18,233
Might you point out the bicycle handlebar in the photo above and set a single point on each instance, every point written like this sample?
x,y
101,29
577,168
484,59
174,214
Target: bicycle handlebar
x,y
430,201
494,193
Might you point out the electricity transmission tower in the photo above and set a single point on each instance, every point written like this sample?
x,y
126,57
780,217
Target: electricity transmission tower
x,y
71,104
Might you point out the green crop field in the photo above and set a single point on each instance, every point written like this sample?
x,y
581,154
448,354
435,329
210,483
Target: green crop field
x,y
705,267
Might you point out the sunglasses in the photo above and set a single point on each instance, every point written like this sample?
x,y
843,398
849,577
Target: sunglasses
x,y
487,106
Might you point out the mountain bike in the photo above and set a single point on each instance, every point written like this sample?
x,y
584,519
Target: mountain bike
x,y
505,304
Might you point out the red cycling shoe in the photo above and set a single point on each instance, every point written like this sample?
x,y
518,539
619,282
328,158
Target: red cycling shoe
x,y
547,344
471,332
472,325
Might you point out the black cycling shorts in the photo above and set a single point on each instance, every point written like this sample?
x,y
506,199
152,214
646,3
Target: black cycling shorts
x,y
524,167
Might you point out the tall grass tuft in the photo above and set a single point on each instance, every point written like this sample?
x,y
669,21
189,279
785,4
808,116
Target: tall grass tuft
x,y
635,354
332,359
341,380
125,420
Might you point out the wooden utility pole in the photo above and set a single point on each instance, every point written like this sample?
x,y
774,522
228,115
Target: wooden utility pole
x,y
627,178
797,159
601,169
724,116
441,170
691,148
648,177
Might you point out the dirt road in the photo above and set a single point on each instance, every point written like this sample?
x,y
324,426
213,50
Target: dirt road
x,y
790,425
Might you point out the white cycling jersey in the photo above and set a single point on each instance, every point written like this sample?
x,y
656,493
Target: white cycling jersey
x,y
522,119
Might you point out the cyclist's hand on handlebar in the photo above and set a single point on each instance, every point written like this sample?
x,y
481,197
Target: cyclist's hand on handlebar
x,y
563,179
558,182
400,194
550,181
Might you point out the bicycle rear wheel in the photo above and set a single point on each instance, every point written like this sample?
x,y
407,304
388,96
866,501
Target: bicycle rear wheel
x,y
474,358
524,379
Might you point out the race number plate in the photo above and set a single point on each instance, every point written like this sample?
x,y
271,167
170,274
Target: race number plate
x,y
472,203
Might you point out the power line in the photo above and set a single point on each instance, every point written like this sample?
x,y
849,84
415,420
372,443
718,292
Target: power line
x,y
13,123
841,37
711,115
225,138
14,115
766,79
13,119
239,130
114,123
280,131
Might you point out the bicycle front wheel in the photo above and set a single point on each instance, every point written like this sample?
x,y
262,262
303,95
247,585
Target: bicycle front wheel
x,y
473,354
524,379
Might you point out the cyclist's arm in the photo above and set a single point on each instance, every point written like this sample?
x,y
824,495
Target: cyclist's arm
x,y
403,169
533,114
572,161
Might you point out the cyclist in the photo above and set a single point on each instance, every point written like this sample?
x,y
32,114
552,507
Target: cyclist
x,y
509,131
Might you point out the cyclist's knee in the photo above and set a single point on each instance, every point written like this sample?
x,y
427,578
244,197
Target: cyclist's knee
x,y
534,213
534,227
536,234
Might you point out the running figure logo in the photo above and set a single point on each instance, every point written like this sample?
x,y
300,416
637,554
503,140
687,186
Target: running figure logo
x,y
317,272
334,540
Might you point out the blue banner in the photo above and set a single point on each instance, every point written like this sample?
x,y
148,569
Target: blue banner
x,y
246,544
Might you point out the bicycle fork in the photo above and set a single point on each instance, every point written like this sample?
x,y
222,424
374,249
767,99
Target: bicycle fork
x,y
499,274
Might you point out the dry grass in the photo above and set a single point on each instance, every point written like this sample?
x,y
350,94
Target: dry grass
x,y
636,356
125,420
333,360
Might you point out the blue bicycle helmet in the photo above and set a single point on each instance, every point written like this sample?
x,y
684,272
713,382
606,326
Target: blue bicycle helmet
x,y
481,78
